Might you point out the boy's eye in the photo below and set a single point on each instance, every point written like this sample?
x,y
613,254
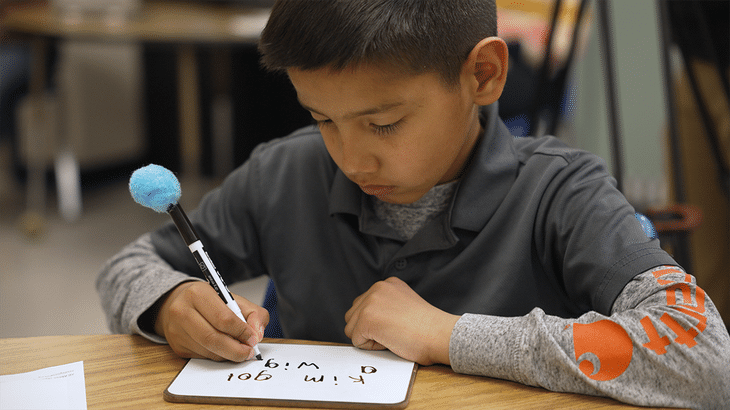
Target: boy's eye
x,y
323,122
381,130
386,129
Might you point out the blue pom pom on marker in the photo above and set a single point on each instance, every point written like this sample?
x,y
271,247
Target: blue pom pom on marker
x,y
155,187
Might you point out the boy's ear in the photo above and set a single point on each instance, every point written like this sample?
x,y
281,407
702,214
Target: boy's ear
x,y
486,69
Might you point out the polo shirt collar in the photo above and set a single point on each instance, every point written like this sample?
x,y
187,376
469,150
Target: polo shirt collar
x,y
487,181
490,175
345,195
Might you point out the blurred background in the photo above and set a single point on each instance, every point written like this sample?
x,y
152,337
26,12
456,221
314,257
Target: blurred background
x,y
92,89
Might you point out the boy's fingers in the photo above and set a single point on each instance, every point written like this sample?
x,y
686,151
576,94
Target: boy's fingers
x,y
216,344
193,350
256,316
218,329
368,344
353,309
199,324
183,338
257,324
358,325
351,319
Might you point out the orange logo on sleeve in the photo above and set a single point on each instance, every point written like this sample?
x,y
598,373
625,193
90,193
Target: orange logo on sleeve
x,y
607,344
692,305
603,349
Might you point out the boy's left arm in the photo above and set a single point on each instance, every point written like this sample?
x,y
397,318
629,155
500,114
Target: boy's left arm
x,y
664,345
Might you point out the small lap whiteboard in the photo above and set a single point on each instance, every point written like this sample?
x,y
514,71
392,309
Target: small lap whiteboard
x,y
299,375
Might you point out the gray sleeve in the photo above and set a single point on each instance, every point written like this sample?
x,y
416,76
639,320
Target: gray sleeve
x,y
131,282
664,345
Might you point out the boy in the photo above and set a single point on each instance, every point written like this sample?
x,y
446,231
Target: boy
x,y
409,219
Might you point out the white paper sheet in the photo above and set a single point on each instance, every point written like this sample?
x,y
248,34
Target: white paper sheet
x,y
57,388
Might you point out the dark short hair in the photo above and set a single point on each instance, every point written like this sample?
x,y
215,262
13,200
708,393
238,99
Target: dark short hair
x,y
416,35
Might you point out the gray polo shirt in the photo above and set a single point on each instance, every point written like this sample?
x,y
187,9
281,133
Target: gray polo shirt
x,y
532,223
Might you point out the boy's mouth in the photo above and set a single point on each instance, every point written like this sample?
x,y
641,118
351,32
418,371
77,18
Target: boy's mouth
x,y
377,190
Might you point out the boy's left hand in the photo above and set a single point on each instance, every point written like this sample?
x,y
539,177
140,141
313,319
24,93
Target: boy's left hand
x,y
391,315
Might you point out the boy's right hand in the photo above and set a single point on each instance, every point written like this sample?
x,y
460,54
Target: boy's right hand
x,y
197,324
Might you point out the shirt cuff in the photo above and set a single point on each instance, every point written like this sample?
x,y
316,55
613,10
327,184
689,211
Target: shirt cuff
x,y
154,287
488,346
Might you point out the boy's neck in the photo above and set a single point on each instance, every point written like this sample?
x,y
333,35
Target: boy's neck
x,y
465,166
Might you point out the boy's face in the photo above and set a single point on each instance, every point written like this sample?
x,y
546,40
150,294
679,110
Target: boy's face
x,y
396,136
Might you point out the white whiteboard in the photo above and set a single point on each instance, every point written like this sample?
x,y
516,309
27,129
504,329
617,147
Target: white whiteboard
x,y
299,375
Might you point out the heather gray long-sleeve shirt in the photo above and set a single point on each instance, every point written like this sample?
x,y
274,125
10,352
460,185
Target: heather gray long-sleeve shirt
x,y
557,283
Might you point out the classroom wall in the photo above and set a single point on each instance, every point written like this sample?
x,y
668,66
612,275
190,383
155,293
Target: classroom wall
x,y
642,110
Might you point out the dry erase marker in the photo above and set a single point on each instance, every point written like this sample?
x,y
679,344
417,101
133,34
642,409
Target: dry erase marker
x,y
204,262
156,187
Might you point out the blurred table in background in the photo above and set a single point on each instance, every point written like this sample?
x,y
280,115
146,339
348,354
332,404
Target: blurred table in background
x,y
185,24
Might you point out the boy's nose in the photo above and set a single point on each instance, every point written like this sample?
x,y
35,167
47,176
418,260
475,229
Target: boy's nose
x,y
356,157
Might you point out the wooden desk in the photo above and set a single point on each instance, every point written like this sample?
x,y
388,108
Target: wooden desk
x,y
130,372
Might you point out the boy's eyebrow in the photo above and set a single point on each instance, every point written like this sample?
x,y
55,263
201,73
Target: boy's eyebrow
x,y
368,111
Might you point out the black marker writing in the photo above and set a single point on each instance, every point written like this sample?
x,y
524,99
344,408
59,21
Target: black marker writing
x,y
271,364
262,376
357,380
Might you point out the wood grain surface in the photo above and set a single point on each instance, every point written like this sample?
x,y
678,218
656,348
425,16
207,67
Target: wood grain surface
x,y
130,372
